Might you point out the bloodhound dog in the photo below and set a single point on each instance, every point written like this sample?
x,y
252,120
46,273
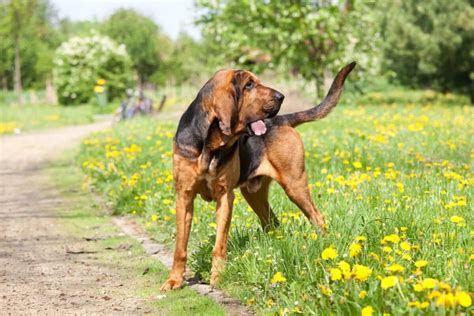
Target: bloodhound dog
x,y
230,136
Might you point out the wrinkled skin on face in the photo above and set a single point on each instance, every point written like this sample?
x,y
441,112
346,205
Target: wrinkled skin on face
x,y
237,98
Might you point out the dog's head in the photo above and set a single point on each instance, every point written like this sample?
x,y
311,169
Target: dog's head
x,y
239,102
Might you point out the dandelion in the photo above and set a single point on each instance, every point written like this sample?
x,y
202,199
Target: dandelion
x,y
388,282
456,219
429,283
421,263
367,311
400,187
446,299
362,294
463,298
278,278
420,305
154,218
396,268
405,246
329,253
393,238
336,274
354,250
357,164
345,268
325,290
361,272
418,287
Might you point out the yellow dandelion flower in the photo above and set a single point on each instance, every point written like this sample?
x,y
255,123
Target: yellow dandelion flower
x,y
421,263
456,219
429,283
345,268
336,274
388,282
329,253
400,187
396,268
357,164
360,238
393,238
325,290
418,287
278,278
463,298
362,294
405,246
367,311
354,250
361,272
446,299
154,218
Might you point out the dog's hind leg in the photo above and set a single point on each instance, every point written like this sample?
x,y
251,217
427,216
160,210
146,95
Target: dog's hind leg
x,y
258,201
297,190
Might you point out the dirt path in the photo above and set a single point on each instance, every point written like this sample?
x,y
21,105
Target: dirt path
x,y
37,275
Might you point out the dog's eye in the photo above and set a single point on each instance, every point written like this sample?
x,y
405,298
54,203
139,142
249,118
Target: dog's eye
x,y
249,85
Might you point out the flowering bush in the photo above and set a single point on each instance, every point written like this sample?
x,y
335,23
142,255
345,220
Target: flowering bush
x,y
81,61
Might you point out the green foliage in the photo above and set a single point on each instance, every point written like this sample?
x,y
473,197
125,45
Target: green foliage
x,y
30,25
81,61
145,43
188,61
304,37
430,43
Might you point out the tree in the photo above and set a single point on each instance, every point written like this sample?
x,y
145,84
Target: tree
x,y
430,43
28,42
81,61
305,37
141,36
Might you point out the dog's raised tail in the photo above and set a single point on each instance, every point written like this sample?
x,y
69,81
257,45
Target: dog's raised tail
x,y
322,109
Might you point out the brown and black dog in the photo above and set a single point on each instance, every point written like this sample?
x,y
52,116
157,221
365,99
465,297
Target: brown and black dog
x,y
228,137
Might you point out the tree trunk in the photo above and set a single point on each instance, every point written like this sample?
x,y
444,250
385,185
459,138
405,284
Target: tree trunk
x,y
17,74
328,76
4,84
319,86
51,97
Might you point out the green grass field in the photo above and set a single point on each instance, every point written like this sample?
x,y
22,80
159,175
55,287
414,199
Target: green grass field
x,y
393,177
15,119
80,216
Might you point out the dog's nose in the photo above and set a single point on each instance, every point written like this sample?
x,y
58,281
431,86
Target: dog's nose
x,y
278,96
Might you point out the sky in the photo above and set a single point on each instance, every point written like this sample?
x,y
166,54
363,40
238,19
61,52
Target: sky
x,y
172,16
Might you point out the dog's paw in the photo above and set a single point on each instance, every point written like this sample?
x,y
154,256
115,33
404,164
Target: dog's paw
x,y
214,279
171,284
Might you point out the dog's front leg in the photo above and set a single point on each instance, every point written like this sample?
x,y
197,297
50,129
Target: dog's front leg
x,y
223,217
184,217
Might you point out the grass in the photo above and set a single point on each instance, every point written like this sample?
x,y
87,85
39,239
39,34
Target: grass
x,y
393,176
82,216
15,119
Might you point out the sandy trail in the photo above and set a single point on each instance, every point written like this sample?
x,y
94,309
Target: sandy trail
x,y
36,273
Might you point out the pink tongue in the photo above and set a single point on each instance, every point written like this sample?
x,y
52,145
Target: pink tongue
x,y
258,127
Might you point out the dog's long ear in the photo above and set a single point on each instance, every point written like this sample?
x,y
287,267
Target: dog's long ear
x,y
222,99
